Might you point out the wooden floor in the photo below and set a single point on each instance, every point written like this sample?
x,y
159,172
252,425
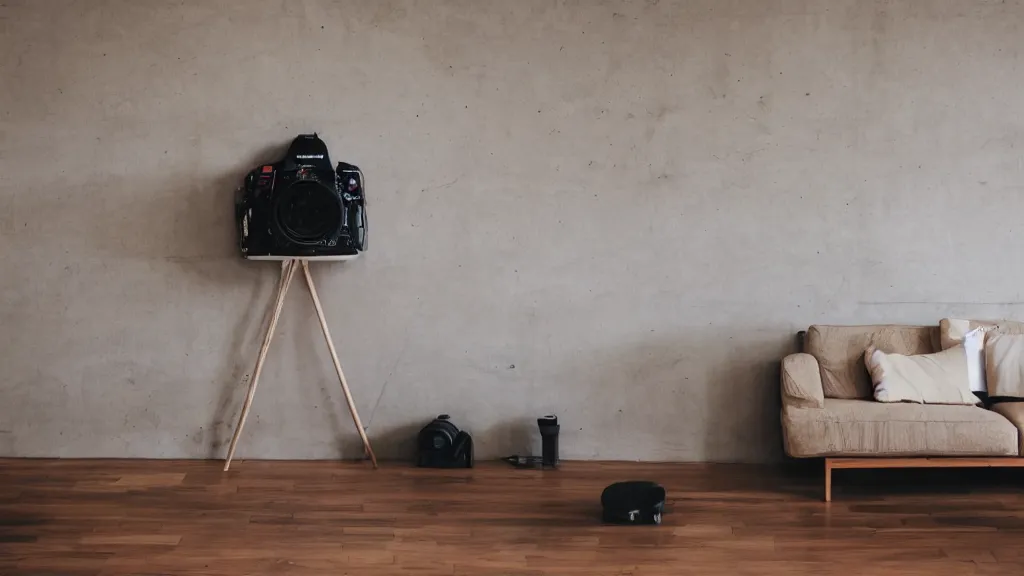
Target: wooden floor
x,y
172,517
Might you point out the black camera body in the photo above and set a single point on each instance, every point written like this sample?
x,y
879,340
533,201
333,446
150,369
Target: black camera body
x,y
440,444
302,207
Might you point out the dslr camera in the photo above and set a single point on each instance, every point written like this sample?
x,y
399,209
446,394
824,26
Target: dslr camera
x,y
302,207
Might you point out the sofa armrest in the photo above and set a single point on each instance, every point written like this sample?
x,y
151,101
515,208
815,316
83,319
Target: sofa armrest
x,y
801,382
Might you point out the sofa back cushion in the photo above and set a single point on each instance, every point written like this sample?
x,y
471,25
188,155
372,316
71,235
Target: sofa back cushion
x,y
1004,364
840,353
953,330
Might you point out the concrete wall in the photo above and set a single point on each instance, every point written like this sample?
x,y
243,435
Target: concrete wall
x,y
619,212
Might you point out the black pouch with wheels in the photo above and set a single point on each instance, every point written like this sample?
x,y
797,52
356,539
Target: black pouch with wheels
x,y
634,502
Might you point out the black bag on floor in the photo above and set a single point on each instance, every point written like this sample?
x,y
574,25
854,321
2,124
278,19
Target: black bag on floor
x,y
443,445
634,502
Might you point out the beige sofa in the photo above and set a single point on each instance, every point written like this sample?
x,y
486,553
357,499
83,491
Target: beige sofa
x,y
828,409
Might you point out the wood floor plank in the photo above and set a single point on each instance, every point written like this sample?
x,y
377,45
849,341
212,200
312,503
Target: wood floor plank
x,y
131,540
151,480
186,517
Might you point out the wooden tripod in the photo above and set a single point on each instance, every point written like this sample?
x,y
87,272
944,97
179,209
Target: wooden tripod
x,y
288,268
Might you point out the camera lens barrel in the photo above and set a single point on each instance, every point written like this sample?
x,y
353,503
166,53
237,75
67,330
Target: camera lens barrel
x,y
308,212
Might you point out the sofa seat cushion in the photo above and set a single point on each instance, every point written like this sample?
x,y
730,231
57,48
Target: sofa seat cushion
x,y
1014,412
868,428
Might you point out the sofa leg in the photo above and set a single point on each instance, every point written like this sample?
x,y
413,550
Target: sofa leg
x,y
828,479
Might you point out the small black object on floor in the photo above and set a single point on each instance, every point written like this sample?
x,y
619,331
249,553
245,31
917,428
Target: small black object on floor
x,y
442,445
549,428
633,502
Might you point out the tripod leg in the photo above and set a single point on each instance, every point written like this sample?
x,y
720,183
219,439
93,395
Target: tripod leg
x,y
337,363
287,273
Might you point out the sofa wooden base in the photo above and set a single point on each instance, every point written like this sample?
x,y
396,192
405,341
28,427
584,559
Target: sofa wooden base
x,y
922,462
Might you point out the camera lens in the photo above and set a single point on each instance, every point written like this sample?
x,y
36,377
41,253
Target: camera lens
x,y
307,212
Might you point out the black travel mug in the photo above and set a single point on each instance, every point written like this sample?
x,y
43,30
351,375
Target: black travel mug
x,y
549,440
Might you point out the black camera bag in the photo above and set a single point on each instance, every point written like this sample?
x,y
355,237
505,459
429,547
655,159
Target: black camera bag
x,y
634,502
442,445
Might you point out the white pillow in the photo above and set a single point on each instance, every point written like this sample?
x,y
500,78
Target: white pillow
x,y
939,378
974,344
